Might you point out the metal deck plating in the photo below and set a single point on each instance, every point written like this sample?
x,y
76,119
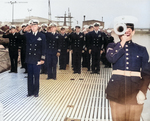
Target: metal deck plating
x,y
70,97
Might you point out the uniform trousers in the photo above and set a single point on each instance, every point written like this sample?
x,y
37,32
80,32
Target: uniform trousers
x,y
23,53
95,61
13,59
63,59
33,78
77,61
88,60
122,112
51,66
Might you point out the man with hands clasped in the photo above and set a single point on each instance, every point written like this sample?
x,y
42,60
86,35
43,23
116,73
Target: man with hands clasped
x,y
126,90
35,56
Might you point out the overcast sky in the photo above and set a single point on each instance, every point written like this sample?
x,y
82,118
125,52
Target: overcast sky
x,y
93,9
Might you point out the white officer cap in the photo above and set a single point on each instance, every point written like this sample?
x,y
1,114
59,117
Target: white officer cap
x,y
96,24
90,26
23,25
53,25
109,31
85,26
12,27
126,19
30,22
101,27
77,26
44,25
35,22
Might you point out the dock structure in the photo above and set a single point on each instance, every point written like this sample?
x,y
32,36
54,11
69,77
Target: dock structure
x,y
72,97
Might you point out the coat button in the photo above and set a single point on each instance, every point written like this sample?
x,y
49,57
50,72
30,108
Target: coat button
x,y
126,49
34,53
127,54
127,62
112,80
116,50
126,45
127,67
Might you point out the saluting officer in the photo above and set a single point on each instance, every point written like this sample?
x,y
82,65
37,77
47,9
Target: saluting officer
x,y
95,47
64,45
127,88
44,66
53,51
87,46
44,28
13,47
77,44
22,44
35,56
108,39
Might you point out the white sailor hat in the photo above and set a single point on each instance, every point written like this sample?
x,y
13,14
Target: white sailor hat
x,y
12,27
53,25
109,31
23,25
126,19
96,24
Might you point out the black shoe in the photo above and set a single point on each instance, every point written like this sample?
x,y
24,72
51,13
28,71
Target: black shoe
x,y
29,95
15,72
74,72
48,78
21,67
36,95
98,72
10,72
25,72
54,78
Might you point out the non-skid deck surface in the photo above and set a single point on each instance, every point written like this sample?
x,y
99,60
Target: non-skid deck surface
x,y
72,96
